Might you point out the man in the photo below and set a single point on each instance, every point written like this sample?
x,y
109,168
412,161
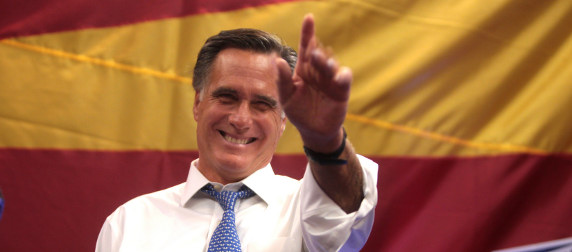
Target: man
x,y
245,89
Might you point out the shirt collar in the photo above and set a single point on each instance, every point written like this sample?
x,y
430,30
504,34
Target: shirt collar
x,y
195,181
261,182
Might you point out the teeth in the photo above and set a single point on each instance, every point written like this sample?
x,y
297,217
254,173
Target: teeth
x,y
234,140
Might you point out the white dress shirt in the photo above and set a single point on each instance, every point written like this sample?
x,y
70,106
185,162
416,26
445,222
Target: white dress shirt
x,y
284,215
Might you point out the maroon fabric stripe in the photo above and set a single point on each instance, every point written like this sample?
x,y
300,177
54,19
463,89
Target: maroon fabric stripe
x,y
471,204
20,18
57,200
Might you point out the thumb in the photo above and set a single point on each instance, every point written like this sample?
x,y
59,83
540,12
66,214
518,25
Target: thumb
x,y
285,83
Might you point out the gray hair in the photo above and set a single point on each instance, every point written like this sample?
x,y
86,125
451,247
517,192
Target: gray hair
x,y
243,38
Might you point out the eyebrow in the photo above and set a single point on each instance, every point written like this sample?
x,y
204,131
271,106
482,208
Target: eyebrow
x,y
224,90
271,101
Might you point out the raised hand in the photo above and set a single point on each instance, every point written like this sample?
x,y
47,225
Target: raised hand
x,y
315,97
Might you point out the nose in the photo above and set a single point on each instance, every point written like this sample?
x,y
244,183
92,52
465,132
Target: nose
x,y
240,118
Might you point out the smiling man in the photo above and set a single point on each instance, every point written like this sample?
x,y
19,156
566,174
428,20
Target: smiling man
x,y
247,85
238,117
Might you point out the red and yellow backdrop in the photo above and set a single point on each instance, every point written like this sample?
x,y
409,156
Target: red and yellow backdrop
x,y
464,104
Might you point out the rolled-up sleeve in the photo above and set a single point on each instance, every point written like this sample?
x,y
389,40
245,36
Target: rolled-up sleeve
x,y
325,226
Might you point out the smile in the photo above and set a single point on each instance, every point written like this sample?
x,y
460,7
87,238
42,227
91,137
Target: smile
x,y
236,140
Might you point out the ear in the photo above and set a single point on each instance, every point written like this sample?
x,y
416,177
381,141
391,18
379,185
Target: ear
x,y
196,105
283,126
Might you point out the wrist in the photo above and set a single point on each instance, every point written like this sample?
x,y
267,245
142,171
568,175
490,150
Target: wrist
x,y
320,142
328,158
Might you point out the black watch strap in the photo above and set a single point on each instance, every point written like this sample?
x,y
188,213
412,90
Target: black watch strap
x,y
328,158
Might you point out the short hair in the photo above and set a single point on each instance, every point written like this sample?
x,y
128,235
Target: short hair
x,y
243,38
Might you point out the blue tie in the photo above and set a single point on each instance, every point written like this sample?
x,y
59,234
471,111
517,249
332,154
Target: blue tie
x,y
225,237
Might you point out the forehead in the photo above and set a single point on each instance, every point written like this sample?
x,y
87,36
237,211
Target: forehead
x,y
241,69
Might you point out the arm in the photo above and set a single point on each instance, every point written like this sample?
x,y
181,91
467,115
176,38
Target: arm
x,y
342,183
315,99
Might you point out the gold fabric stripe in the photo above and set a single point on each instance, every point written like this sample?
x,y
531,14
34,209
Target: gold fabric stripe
x,y
430,78
96,61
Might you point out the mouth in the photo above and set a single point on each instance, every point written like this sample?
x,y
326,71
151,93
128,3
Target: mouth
x,y
236,140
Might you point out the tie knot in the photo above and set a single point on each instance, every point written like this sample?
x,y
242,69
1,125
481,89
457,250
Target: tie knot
x,y
227,199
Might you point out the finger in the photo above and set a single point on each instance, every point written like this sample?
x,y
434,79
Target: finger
x,y
342,81
285,84
306,36
325,66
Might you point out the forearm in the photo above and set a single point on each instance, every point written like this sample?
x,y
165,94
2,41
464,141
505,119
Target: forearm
x,y
342,183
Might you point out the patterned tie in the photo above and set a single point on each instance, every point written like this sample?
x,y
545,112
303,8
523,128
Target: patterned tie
x,y
225,236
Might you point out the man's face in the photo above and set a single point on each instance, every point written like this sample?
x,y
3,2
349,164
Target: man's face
x,y
239,117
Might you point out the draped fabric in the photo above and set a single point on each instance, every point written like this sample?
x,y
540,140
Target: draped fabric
x,y
464,104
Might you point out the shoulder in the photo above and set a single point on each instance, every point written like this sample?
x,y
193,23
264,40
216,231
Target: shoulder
x,y
286,180
165,198
285,187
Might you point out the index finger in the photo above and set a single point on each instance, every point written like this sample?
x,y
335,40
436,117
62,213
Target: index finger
x,y
306,36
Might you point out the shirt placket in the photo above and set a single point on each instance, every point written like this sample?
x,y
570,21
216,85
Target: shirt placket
x,y
216,217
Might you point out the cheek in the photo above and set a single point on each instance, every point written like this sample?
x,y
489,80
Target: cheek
x,y
275,126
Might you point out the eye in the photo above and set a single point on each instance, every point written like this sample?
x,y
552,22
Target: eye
x,y
225,98
262,105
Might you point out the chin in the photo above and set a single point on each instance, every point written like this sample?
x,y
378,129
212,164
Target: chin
x,y
235,165
240,166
